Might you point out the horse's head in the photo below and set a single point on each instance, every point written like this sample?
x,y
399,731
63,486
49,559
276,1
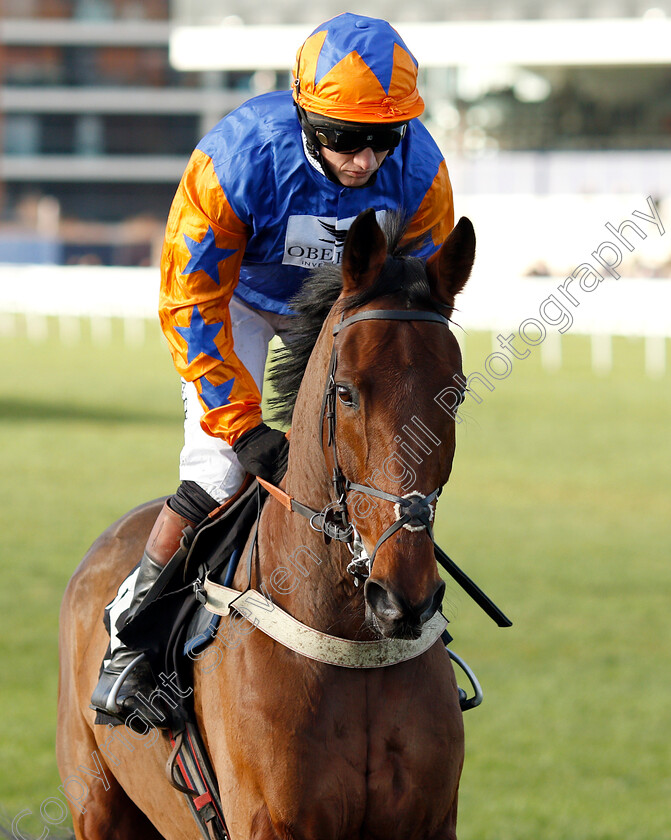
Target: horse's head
x,y
396,378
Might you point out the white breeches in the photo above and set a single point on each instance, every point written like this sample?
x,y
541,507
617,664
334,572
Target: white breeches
x,y
207,460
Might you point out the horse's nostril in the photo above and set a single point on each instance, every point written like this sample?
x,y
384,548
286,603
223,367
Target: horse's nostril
x,y
397,615
382,602
435,604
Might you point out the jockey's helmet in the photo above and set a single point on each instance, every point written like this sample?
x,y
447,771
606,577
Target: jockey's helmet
x,y
355,85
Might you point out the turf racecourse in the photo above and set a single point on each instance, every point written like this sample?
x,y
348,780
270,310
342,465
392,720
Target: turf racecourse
x,y
558,507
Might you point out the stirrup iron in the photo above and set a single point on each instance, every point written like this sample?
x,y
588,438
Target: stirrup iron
x,y
111,703
466,702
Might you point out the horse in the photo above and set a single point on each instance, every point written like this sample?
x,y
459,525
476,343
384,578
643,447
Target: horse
x,y
305,750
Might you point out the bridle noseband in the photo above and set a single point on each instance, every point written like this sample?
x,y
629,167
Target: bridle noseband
x,y
414,510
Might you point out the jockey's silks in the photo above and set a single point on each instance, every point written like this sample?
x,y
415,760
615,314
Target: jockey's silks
x,y
252,215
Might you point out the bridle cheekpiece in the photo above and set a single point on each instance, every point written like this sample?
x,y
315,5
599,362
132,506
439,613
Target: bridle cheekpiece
x,y
413,511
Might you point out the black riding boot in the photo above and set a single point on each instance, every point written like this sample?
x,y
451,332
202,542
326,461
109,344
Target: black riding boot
x,y
115,693
127,679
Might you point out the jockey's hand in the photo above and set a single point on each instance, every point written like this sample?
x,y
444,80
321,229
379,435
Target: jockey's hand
x,y
264,452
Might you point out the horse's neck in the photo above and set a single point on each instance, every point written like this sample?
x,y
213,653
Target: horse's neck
x,y
297,569
306,577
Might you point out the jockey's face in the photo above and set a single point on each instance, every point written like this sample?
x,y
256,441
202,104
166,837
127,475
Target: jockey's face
x,y
353,169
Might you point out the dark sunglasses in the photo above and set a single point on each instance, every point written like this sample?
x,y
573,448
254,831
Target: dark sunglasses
x,y
349,141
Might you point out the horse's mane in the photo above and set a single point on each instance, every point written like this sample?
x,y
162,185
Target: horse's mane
x,y
403,276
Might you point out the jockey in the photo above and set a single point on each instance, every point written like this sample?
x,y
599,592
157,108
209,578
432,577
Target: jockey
x,y
268,194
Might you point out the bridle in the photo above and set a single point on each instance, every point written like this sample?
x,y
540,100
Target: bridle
x,y
414,510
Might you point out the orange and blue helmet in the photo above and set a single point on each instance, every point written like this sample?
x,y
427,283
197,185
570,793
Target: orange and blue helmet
x,y
356,69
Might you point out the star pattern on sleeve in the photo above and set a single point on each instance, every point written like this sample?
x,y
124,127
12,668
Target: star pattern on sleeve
x,y
205,255
200,336
214,396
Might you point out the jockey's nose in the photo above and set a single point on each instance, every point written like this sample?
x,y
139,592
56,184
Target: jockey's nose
x,y
365,158
396,617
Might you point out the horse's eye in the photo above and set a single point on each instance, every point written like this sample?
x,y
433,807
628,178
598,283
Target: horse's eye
x,y
462,397
345,395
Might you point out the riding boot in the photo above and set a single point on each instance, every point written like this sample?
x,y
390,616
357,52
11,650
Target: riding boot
x,y
128,675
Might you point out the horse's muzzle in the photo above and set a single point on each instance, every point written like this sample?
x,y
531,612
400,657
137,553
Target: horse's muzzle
x,y
393,615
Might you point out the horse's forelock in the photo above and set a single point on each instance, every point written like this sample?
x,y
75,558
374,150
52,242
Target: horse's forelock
x,y
402,278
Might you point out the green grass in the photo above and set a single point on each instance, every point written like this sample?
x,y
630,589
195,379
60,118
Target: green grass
x,y
86,433
558,507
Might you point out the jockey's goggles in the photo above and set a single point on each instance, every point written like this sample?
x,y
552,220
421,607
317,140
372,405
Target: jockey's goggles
x,y
379,138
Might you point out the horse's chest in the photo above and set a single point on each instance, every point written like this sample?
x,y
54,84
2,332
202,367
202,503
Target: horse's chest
x,y
354,757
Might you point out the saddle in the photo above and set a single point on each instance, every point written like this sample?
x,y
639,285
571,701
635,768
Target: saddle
x,y
213,548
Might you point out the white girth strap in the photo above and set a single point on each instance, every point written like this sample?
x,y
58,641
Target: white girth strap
x,y
314,644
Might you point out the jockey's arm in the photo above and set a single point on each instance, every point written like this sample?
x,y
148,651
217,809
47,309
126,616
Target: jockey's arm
x,y
200,265
434,218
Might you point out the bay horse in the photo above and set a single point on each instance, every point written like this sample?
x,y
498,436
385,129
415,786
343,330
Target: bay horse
x,y
305,750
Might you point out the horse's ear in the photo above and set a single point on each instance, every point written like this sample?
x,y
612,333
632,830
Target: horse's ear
x,y
449,269
364,254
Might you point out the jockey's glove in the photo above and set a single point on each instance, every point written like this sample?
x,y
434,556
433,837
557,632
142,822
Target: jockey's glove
x,y
264,452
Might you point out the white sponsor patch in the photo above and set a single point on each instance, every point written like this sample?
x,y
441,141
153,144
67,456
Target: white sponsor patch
x,y
312,241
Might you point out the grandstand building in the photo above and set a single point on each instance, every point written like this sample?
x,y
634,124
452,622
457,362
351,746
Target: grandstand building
x,y
102,101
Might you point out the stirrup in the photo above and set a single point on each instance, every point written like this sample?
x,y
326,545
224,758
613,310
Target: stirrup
x,y
111,705
466,702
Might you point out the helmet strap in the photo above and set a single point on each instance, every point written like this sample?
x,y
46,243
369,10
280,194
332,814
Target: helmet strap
x,y
309,132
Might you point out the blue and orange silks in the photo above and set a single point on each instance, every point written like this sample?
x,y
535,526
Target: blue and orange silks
x,y
357,69
252,215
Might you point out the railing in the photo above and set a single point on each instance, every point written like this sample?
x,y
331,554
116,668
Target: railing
x,y
536,312
73,294
548,308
